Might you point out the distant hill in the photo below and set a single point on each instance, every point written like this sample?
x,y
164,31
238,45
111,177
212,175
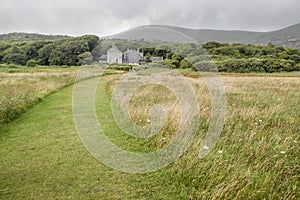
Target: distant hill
x,y
289,37
26,37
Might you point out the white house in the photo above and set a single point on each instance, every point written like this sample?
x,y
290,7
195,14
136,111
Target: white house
x,y
114,55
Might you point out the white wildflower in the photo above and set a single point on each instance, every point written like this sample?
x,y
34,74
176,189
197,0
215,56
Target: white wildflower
x,y
205,147
282,152
220,151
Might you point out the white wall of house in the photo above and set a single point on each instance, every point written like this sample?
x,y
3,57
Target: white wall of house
x,y
114,55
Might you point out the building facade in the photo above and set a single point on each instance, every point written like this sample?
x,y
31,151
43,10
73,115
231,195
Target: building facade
x,y
131,56
114,55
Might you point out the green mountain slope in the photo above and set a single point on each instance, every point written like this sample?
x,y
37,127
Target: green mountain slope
x,y
289,36
26,37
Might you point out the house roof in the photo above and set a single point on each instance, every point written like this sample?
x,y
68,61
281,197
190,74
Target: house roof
x,y
114,48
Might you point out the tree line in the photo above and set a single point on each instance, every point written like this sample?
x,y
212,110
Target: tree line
x,y
251,58
241,58
88,49
70,52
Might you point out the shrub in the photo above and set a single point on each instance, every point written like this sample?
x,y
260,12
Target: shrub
x,y
170,63
204,66
185,64
297,67
31,63
120,67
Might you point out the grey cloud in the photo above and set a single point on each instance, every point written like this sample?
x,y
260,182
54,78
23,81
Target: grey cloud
x,y
105,17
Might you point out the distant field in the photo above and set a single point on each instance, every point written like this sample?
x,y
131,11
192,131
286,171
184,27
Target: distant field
x,y
256,157
189,72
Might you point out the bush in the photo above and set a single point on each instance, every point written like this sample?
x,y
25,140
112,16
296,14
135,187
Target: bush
x,y
170,63
31,63
85,58
185,64
120,67
205,66
245,65
279,65
297,68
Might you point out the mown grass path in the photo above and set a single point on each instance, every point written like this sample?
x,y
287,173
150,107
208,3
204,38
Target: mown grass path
x,y
42,157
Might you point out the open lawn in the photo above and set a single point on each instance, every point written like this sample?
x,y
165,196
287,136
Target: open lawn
x,y
256,157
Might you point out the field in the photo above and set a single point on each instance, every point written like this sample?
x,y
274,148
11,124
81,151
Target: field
x,y
256,157
22,87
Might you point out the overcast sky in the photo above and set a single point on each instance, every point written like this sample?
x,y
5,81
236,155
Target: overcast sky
x,y
105,17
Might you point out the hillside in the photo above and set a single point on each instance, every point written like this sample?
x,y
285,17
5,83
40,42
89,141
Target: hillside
x,y
289,37
200,35
26,37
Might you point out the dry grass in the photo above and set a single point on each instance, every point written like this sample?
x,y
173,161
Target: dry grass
x,y
257,155
20,91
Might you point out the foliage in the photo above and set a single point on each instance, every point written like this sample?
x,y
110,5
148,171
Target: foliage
x,y
68,52
31,63
29,37
44,54
185,64
170,63
85,58
250,58
120,67
88,49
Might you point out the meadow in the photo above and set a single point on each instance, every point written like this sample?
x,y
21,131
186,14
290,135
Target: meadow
x,y
23,87
256,157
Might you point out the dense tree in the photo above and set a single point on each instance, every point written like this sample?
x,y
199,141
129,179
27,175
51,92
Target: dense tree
x,y
67,53
31,63
58,52
185,64
14,55
44,54
88,49
31,49
211,45
85,58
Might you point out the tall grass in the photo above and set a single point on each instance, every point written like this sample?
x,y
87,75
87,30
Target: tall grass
x,y
257,156
20,91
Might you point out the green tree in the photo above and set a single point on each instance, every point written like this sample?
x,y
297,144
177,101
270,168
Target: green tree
x,y
185,64
211,45
85,58
14,55
67,52
31,63
44,53
31,49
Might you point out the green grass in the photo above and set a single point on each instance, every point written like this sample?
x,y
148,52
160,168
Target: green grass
x,y
42,156
191,73
12,68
